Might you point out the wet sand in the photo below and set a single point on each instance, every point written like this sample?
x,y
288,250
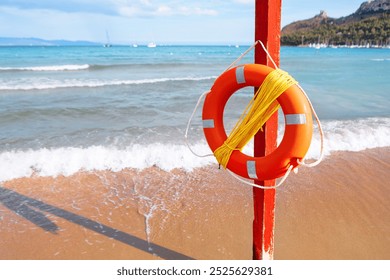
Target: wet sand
x,y
338,210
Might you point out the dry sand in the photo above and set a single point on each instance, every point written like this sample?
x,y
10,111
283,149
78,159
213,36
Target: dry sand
x,y
338,210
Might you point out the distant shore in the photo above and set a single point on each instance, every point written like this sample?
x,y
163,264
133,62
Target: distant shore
x,y
366,46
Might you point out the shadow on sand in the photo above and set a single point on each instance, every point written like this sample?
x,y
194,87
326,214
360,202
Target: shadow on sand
x,y
34,211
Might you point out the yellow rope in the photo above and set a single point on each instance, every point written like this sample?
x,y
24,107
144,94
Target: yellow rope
x,y
257,112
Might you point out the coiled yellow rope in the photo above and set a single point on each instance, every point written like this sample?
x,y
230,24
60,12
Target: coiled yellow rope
x,y
257,112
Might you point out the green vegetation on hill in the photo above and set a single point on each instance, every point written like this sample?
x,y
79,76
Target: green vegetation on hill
x,y
372,30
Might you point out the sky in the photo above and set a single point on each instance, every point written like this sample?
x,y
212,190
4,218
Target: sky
x,y
160,21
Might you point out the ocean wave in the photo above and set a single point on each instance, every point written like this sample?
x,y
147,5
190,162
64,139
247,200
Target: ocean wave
x,y
69,67
380,59
69,160
145,65
346,135
41,84
100,67
351,135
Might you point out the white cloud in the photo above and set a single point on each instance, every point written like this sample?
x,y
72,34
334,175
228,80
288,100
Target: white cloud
x,y
187,11
68,6
206,12
244,1
128,11
146,2
164,10
125,20
125,8
144,8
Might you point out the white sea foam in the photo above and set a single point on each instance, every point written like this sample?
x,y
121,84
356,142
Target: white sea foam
x,y
45,83
380,59
70,67
354,135
67,161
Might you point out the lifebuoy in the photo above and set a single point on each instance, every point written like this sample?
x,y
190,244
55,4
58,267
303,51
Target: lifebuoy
x,y
298,124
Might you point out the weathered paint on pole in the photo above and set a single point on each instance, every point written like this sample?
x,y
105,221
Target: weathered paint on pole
x,y
267,30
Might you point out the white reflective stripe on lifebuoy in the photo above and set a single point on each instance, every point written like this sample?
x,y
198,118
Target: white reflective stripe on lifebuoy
x,y
240,77
292,119
208,123
251,168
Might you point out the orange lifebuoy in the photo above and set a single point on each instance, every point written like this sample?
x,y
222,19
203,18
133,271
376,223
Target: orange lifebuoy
x,y
298,124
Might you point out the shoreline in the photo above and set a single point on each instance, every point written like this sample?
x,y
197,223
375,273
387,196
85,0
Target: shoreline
x,y
338,210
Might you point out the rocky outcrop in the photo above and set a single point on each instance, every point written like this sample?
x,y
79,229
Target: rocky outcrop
x,y
371,7
370,24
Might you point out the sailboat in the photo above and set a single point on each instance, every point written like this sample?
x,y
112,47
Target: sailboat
x,y
107,44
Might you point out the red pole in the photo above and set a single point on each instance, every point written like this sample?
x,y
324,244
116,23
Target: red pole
x,y
267,30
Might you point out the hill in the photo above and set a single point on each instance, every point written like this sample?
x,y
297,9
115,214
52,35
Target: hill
x,y
369,25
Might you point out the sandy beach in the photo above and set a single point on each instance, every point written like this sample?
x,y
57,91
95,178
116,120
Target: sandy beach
x,y
338,210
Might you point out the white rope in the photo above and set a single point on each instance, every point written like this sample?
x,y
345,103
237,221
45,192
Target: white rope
x,y
269,56
300,162
189,125
312,164
247,51
207,92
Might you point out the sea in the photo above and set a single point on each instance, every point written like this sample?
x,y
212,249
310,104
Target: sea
x,y
70,109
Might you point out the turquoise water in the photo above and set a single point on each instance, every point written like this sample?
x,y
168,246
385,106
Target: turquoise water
x,y
63,109
343,83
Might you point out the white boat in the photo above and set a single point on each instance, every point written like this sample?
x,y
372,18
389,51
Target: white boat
x,y
108,44
152,45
